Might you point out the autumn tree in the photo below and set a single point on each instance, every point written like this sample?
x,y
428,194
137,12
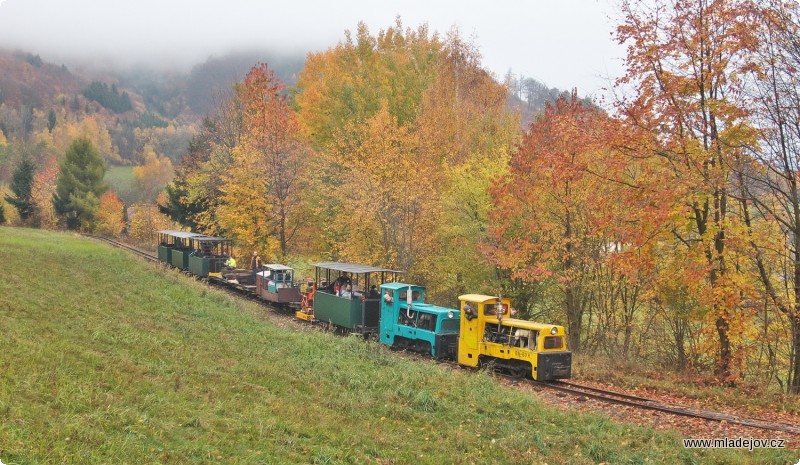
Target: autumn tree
x,y
543,226
384,198
684,63
153,175
79,185
464,129
44,186
194,195
110,215
770,183
363,74
21,188
145,222
348,95
444,118
262,194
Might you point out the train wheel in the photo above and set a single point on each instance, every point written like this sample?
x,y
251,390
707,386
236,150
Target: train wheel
x,y
519,370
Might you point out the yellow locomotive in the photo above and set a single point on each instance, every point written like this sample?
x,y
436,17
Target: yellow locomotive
x,y
525,349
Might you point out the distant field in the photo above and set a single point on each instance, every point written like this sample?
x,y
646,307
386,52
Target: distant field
x,y
106,359
121,180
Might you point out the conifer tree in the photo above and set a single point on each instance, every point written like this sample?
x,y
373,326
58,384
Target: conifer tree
x,y
51,120
22,188
79,185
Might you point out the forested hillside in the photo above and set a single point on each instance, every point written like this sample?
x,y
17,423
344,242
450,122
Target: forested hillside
x,y
140,120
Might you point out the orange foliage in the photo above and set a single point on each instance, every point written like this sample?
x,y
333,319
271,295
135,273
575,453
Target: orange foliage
x,y
548,221
685,60
44,186
110,218
262,202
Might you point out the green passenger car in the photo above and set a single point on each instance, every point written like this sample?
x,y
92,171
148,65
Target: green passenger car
x,y
344,300
208,255
174,247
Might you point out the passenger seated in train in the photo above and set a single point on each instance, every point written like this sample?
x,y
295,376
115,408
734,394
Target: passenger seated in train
x,y
347,292
344,280
373,292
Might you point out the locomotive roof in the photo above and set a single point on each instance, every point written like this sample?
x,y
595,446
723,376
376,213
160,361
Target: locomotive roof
x,y
394,286
479,298
204,238
277,267
180,234
353,268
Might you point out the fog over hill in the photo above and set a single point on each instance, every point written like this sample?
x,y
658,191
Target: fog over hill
x,y
171,35
533,39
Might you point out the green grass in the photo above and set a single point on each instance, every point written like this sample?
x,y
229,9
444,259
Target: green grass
x,y
121,180
107,359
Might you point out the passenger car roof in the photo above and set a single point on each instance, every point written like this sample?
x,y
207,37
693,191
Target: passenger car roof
x,y
353,268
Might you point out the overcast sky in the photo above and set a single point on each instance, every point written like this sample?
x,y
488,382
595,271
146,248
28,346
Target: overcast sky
x,y
564,44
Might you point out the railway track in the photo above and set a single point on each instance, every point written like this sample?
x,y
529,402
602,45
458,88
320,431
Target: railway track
x,y
141,253
607,396
569,388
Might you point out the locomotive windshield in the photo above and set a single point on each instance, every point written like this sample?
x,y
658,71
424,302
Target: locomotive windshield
x,y
416,296
450,325
553,342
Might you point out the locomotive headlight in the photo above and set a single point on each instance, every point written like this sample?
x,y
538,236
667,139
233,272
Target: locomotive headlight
x,y
554,330
450,314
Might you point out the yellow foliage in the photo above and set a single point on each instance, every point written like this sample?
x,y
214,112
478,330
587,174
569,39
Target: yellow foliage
x,y
153,175
245,206
11,214
387,197
65,132
110,216
145,222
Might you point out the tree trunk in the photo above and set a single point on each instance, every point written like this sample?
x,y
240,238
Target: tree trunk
x,y
794,369
724,367
574,320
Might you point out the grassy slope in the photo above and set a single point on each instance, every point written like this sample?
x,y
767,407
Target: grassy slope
x,y
104,359
121,181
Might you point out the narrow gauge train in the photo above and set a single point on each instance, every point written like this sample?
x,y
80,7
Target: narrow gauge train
x,y
346,297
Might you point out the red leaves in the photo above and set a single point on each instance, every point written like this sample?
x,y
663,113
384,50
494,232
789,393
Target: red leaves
x,y
553,209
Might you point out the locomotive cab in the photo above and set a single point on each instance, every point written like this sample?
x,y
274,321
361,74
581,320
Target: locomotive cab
x,y
407,322
524,348
275,284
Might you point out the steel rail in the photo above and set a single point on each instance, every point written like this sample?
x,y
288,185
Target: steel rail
x,y
671,408
139,252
